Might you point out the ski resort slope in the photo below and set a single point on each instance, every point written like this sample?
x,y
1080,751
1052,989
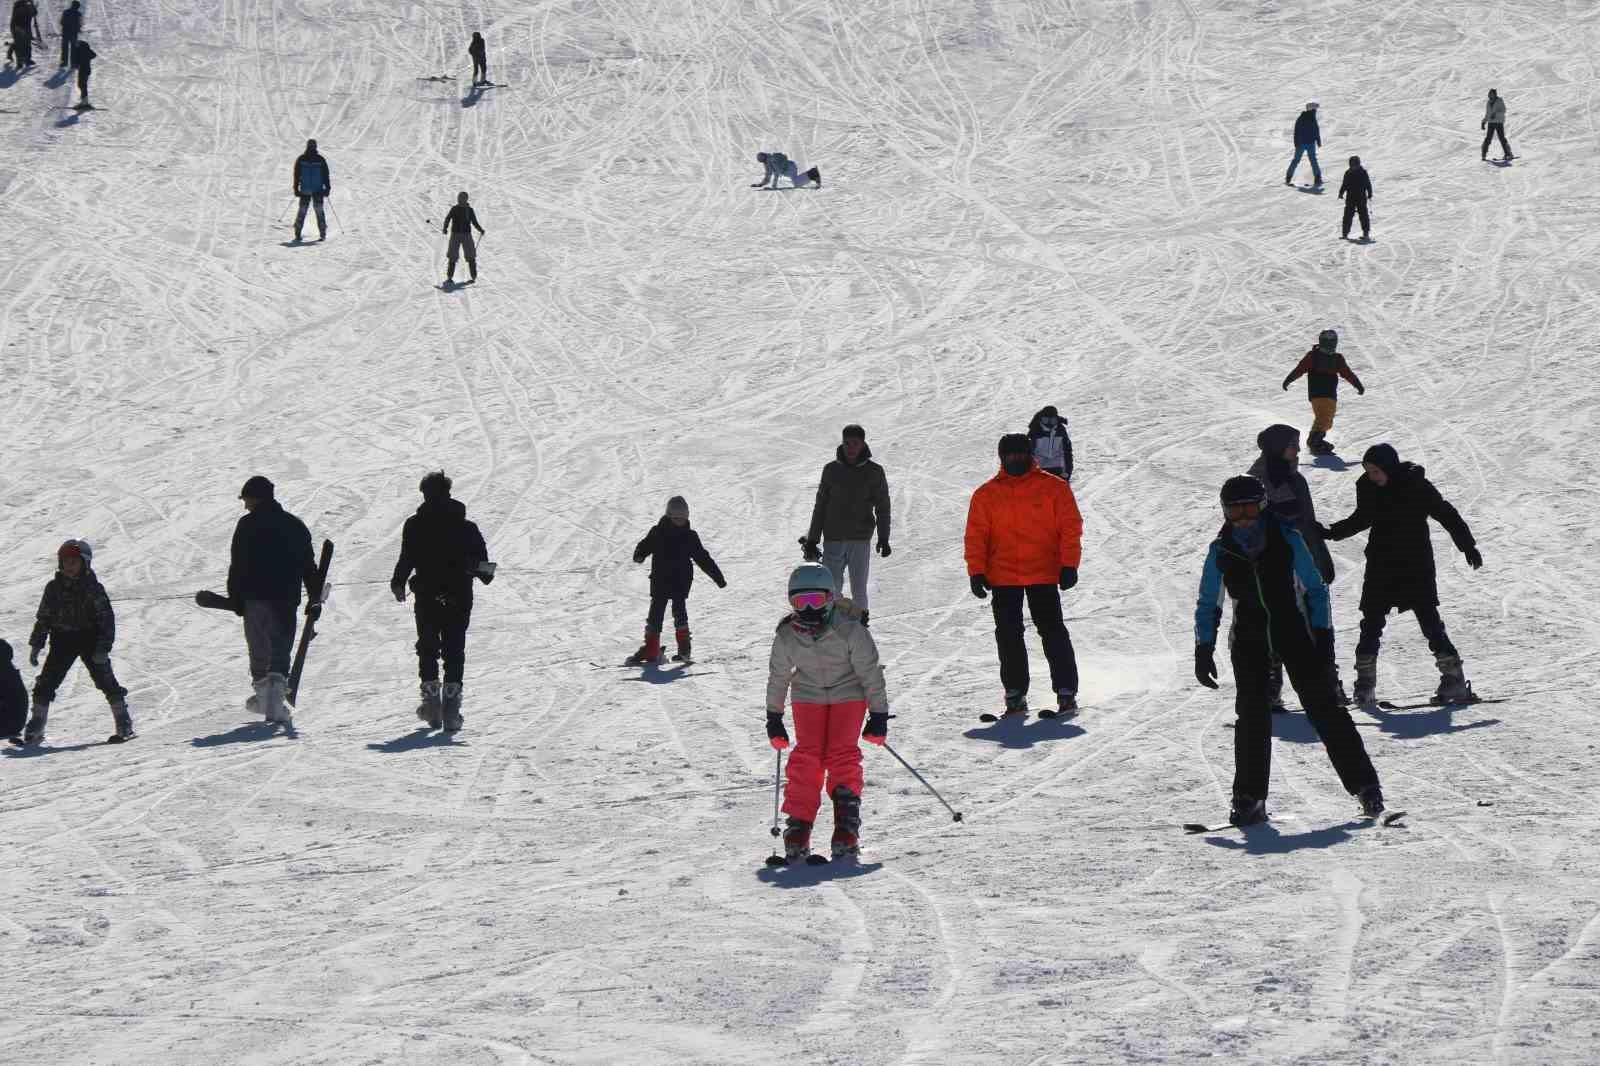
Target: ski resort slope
x,y
1076,202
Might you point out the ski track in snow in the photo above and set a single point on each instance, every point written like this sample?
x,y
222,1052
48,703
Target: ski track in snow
x,y
1027,201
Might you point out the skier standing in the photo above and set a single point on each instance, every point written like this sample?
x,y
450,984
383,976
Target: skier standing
x,y
677,551
1307,139
459,222
83,58
71,25
826,662
440,553
1024,541
1262,563
271,558
1355,190
852,500
1395,500
313,181
1052,447
24,31
480,59
779,165
13,696
1494,122
76,618
1323,367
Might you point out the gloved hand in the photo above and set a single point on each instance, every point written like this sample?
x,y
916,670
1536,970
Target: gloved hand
x,y
1474,558
1069,577
877,730
1324,639
1285,386
313,611
809,550
720,581
485,571
777,736
980,586
1205,665
399,590
33,656
883,548
100,658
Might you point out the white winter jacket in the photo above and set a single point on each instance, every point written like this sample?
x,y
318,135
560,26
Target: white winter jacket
x,y
1496,111
839,664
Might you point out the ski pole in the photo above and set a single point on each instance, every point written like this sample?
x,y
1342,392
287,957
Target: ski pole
x,y
955,815
777,772
285,211
335,215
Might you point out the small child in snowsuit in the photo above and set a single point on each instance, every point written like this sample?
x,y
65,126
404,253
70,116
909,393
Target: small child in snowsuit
x,y
13,696
677,550
779,165
1323,367
824,659
75,616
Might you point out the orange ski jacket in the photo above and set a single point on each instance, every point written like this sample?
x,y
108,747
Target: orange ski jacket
x,y
1023,530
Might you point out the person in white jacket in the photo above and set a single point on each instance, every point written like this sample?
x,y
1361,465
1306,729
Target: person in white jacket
x,y
826,663
1494,122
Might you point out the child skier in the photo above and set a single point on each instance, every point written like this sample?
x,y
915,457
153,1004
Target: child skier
x,y
825,661
75,616
1323,367
677,550
779,165
13,696
1355,190
1052,446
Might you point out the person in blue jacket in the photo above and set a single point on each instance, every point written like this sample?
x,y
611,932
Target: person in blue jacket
x,y
1307,139
1281,611
312,182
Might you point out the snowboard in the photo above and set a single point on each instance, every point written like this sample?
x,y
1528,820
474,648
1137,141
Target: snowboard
x,y
309,633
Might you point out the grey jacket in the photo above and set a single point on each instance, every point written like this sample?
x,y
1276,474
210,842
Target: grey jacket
x,y
837,665
1291,500
852,499
1495,111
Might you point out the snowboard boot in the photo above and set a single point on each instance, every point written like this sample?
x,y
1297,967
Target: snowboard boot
x,y
1371,800
649,651
685,646
815,175
846,824
796,840
1066,706
450,700
866,618
1453,685
255,703
1366,694
33,733
124,724
1275,689
1016,702
277,710
1246,810
431,709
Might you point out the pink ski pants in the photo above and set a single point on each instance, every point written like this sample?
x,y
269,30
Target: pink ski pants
x,y
827,743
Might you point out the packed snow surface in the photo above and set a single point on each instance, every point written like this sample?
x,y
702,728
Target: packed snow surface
x,y
1076,202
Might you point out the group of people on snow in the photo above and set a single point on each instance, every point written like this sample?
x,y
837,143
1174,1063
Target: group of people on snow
x,y
75,52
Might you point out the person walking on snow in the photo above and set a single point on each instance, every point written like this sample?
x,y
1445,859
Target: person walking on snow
x,y
825,662
1281,611
24,32
779,165
83,58
1395,500
1323,366
1024,542
1052,447
459,222
76,618
1355,190
270,559
1307,139
1494,122
313,181
480,59
676,550
13,696
71,25
852,499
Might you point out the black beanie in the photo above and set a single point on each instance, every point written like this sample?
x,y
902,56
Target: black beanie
x,y
1015,443
1274,439
1242,489
257,488
1382,456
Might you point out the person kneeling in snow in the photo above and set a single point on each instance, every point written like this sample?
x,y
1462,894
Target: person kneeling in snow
x,y
781,166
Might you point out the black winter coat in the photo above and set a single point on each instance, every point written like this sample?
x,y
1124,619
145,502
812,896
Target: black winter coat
x,y
1400,572
271,556
1305,129
1356,186
1289,497
13,695
77,606
677,550
852,499
444,549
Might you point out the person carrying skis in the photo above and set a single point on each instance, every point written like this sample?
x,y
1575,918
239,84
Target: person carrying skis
x,y
271,558
83,58
852,500
1307,139
676,550
1052,447
1395,500
779,165
459,222
76,618
71,25
440,553
1355,190
313,181
826,663
1024,541
1494,123
13,696
1323,366
480,59
1281,611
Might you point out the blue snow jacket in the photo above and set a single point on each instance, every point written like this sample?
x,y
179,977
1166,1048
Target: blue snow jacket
x,y
1305,129
1278,594
312,176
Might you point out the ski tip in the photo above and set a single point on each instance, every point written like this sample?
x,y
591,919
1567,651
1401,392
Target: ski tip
x,y
1195,827
1393,817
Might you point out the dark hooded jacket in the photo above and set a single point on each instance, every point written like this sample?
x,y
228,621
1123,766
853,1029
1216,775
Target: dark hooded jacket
x,y
676,551
71,21
1356,186
1305,129
312,175
271,556
1278,598
76,606
1288,495
1055,441
440,549
852,499
13,695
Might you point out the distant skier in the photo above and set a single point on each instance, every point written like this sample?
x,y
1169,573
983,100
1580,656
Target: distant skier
x,y
71,25
1323,367
1280,611
480,60
1395,500
271,558
313,181
1024,541
852,500
83,58
676,551
76,618
459,222
1307,139
13,696
1052,447
826,663
440,553
24,31
1494,121
779,165
1355,190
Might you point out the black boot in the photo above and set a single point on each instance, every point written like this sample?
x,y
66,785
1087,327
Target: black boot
x,y
1247,810
796,840
846,823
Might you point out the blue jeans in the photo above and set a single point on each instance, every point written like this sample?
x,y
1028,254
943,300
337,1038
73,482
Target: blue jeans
x,y
1306,150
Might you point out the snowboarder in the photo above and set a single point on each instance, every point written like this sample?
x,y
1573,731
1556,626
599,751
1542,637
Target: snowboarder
x,y
826,662
440,553
459,222
1052,447
1280,611
1307,139
270,560
76,618
313,181
1395,500
83,58
1494,122
13,696
480,59
779,165
677,551
1024,541
852,500
1323,367
24,32
71,25
1355,190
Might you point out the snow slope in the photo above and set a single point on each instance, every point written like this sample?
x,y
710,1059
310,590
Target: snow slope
x,y
1027,201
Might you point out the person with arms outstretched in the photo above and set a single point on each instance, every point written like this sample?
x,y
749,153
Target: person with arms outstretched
x,y
1323,366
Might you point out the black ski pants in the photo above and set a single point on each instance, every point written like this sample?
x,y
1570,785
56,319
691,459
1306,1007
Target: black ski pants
x,y
658,611
442,634
22,42
1496,129
1428,620
300,218
67,41
1312,678
83,84
480,70
67,648
1044,606
1352,208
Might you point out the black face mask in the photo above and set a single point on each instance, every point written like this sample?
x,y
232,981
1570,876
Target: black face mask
x,y
1016,465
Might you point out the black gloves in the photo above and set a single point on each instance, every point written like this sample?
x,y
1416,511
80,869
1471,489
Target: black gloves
x,y
1474,559
399,590
313,611
1069,577
1324,639
33,655
809,550
638,557
980,586
1205,665
877,730
776,734
1361,390
883,548
720,581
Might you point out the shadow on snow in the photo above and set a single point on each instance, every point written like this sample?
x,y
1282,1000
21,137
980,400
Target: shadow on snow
x,y
1021,733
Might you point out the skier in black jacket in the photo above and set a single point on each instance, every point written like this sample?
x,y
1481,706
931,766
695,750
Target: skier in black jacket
x,y
76,618
480,60
313,181
271,558
1395,500
1307,139
1355,190
677,551
71,25
13,695
83,58
440,553
459,222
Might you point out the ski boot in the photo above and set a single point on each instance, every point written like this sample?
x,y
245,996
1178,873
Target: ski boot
x,y
846,823
1246,810
431,709
815,175
1366,694
124,724
685,646
1275,689
276,686
33,733
1371,800
1453,685
1016,702
796,841
450,699
1066,705
649,652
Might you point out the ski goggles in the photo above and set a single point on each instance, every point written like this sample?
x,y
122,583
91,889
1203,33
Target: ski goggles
x,y
1236,511
809,601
